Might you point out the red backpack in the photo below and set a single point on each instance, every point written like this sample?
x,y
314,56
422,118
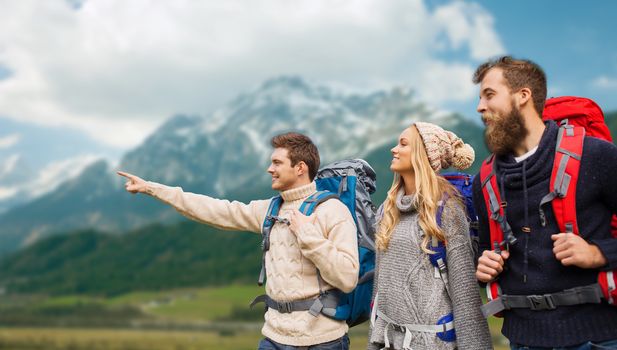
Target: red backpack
x,y
578,117
579,111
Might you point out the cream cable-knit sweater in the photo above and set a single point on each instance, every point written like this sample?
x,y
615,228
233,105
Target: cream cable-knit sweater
x,y
329,244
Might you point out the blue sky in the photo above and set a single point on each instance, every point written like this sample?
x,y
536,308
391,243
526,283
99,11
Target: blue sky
x,y
574,41
80,80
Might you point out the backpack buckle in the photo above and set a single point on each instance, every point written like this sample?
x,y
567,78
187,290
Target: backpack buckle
x,y
284,307
441,265
274,218
541,302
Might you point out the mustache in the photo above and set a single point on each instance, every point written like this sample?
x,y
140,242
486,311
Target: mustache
x,y
486,117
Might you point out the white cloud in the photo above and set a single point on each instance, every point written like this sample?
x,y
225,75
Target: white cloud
x,y
9,141
117,69
7,192
8,165
446,82
469,24
605,83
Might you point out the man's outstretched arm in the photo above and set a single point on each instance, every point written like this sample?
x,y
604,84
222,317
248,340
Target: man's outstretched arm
x,y
219,213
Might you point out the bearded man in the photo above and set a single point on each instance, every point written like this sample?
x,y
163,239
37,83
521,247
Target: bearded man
x,y
544,261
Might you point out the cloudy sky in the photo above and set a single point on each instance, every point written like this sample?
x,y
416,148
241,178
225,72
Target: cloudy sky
x,y
84,79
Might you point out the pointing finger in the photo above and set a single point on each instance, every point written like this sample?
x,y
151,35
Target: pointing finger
x,y
127,175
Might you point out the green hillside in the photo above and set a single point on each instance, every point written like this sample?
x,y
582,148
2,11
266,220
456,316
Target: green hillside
x,y
153,258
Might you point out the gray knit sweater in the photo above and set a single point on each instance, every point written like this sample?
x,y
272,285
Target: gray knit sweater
x,y
409,292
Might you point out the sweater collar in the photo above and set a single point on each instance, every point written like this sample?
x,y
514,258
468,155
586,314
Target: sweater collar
x,y
536,169
298,193
405,203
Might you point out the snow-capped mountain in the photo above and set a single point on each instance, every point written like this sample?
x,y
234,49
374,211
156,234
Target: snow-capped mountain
x,y
20,183
236,139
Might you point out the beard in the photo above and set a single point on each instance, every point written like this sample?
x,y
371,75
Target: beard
x,y
504,133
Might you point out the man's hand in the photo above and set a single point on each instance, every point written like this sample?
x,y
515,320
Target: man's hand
x,y
134,184
298,219
573,250
490,265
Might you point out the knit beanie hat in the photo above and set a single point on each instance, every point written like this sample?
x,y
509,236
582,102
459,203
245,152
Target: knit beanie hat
x,y
444,148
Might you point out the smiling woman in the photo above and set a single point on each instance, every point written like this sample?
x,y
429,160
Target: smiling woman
x,y
426,295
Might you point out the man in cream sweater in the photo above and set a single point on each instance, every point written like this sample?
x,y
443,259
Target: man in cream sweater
x,y
324,241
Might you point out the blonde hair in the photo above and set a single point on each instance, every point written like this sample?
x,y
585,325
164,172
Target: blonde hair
x,y
429,189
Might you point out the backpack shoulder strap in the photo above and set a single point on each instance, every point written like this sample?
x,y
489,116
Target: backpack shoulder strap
x,y
440,207
439,217
439,257
308,206
273,210
568,152
435,243
498,225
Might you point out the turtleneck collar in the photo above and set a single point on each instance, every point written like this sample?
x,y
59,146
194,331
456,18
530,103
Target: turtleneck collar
x,y
405,203
298,193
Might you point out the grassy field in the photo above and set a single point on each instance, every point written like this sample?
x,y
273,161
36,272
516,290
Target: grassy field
x,y
99,339
208,318
107,339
